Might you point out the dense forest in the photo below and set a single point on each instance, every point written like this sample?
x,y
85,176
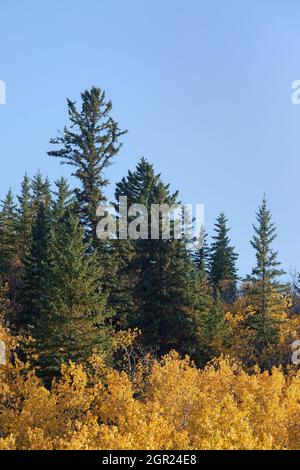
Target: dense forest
x,y
135,344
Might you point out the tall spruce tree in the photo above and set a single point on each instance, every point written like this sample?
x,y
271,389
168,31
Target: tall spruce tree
x,y
35,264
157,269
25,218
89,145
73,312
222,262
265,285
8,237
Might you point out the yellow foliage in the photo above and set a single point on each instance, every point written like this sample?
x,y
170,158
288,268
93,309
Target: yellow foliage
x,y
165,405
182,407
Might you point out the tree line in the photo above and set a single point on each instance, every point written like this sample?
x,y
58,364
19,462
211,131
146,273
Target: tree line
x,y
70,294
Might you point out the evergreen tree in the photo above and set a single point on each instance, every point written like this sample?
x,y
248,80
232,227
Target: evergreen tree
x,y
222,262
25,218
8,236
41,193
157,269
201,255
64,199
72,320
35,266
265,289
267,268
89,145
208,329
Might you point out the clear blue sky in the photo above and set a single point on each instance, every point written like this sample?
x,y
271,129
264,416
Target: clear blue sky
x,y
203,87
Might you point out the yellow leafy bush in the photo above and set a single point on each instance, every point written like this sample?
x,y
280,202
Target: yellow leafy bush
x,y
182,407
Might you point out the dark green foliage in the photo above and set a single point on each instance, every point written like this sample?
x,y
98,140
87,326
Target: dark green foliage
x,y
41,193
157,270
265,286
222,262
201,255
25,218
267,268
35,266
73,312
64,199
89,145
208,329
8,237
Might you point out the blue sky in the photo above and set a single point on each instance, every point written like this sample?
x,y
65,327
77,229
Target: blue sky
x,y
204,88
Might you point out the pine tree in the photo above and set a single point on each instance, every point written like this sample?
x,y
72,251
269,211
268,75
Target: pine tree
x,y
8,236
72,320
222,262
25,218
201,255
64,199
35,266
89,145
208,329
41,193
265,290
157,269
267,268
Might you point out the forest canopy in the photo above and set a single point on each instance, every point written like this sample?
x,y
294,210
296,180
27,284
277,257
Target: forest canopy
x,y
137,343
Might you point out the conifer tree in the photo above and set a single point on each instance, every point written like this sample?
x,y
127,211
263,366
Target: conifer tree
x,y
73,314
222,262
89,145
158,269
266,289
201,255
41,192
35,265
8,236
64,199
208,329
25,218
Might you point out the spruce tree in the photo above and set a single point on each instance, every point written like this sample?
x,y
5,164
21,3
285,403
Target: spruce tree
x,y
8,237
64,199
157,269
89,145
41,193
25,218
73,314
35,266
208,328
222,262
265,285
201,255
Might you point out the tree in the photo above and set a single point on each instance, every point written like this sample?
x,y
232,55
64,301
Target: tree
x,y
41,193
208,329
89,145
201,255
8,236
222,262
35,266
267,268
265,291
71,324
157,269
64,199
25,218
